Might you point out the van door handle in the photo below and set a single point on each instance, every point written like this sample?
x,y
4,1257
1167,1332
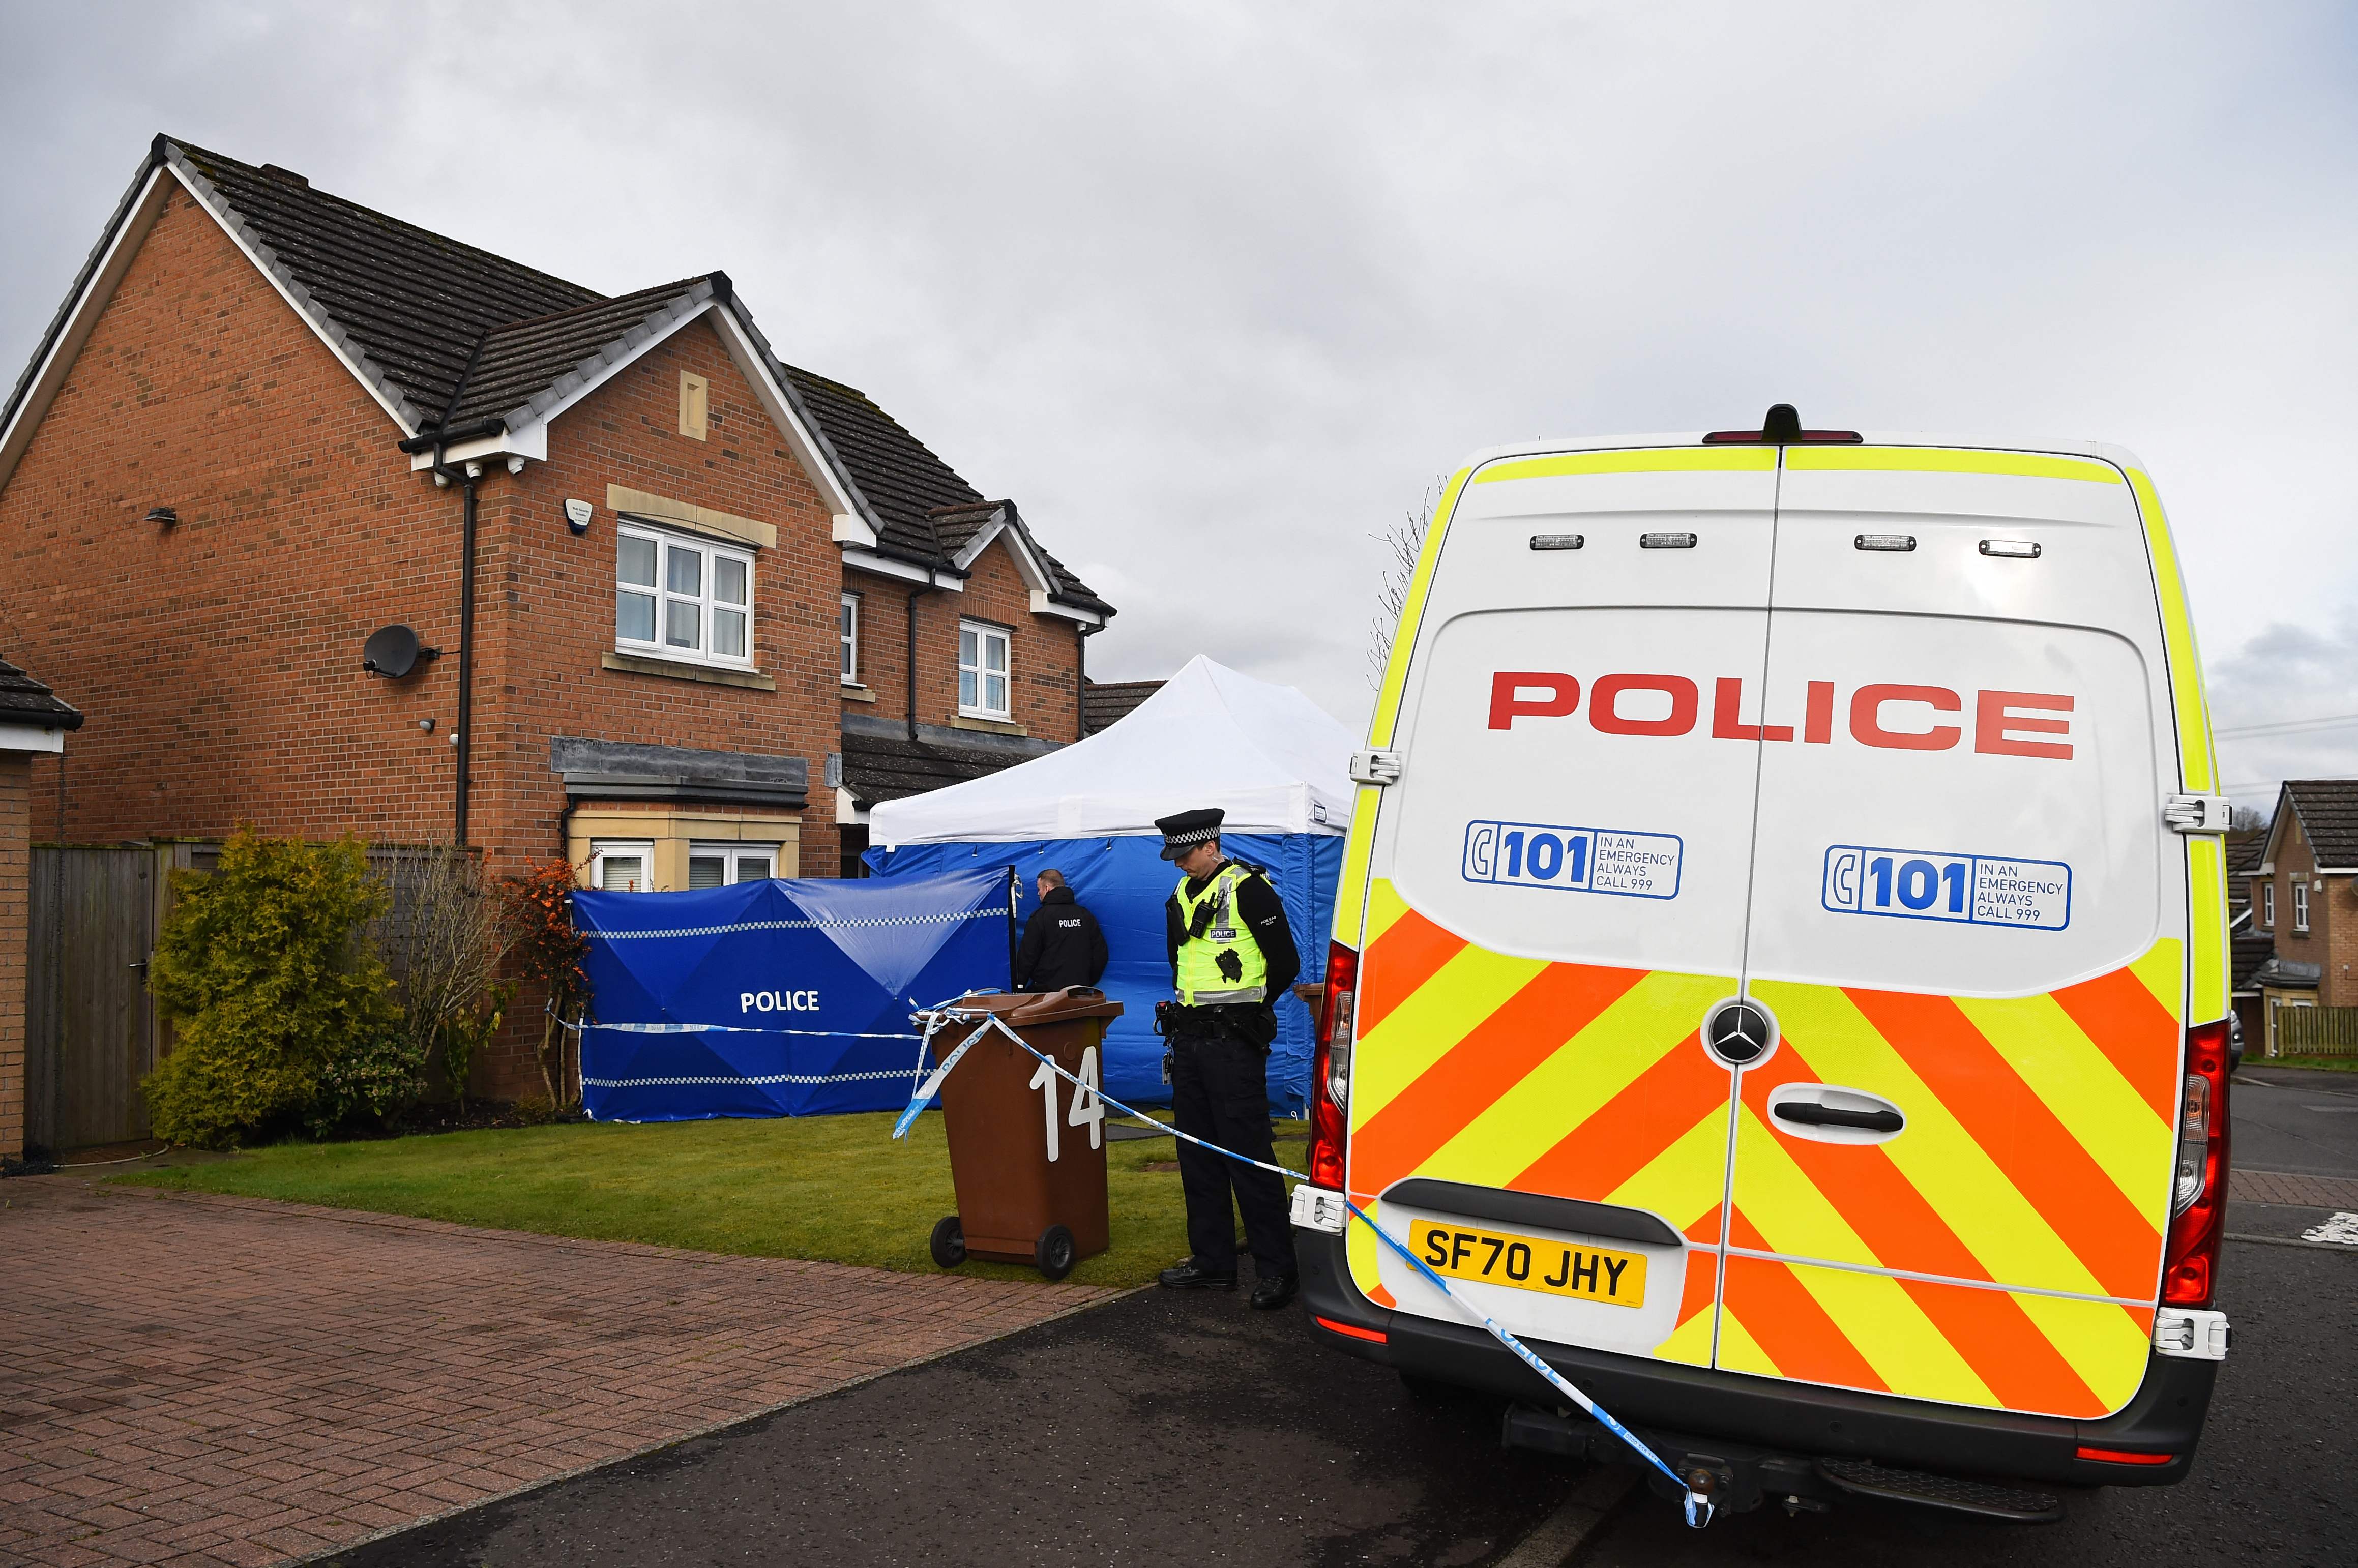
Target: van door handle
x,y
1811,1114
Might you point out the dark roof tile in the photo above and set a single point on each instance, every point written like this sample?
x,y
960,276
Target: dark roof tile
x,y
451,336
2327,812
24,700
879,767
1105,702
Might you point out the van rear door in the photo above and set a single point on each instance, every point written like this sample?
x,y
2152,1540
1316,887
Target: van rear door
x,y
1556,897
1952,1176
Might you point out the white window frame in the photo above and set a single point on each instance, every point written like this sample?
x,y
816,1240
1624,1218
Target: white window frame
x,y
2300,906
601,849
667,543
730,851
2268,905
846,634
984,633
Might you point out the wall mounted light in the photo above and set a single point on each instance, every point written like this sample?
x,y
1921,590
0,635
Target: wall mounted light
x,y
426,725
162,516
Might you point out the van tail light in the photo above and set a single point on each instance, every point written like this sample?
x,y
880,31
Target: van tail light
x,y
2199,1205
1330,1068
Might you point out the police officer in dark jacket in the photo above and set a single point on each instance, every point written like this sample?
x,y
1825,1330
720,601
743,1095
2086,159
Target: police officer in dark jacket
x,y
1062,945
1232,956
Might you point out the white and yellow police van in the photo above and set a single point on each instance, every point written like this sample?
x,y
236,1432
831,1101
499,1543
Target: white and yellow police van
x,y
1780,967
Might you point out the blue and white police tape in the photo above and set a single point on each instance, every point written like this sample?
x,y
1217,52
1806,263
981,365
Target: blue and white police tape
x,y
1698,1508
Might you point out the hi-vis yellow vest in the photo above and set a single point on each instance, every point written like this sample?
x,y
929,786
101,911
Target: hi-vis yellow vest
x,y
1201,983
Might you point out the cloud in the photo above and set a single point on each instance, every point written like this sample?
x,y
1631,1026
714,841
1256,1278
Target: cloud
x,y
1215,291
2287,676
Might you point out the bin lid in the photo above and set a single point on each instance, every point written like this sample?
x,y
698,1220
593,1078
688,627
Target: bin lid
x,y
1072,1001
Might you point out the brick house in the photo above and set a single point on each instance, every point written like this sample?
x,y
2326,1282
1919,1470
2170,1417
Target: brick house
x,y
33,722
2303,897
671,596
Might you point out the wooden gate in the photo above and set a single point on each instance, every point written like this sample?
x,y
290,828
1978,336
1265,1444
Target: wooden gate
x,y
90,1024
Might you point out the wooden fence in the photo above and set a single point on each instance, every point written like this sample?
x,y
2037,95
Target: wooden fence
x,y
92,1026
2317,1031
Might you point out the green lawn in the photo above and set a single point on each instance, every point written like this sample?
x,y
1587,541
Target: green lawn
x,y
831,1187
2330,1064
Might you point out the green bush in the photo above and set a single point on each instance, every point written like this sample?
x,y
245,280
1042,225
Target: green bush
x,y
284,1011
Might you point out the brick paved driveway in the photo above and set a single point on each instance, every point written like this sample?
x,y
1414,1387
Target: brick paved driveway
x,y
192,1378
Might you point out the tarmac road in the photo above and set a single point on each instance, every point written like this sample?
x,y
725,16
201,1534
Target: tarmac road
x,y
1186,1428
2285,1118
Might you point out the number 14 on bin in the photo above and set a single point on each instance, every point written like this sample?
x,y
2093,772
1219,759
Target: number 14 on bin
x,y
1089,1110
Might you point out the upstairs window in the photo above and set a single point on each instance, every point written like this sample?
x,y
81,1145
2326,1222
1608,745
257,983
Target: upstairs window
x,y
2267,906
682,599
982,670
2300,905
848,634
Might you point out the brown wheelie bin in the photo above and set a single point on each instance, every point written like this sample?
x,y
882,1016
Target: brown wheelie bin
x,y
1029,1162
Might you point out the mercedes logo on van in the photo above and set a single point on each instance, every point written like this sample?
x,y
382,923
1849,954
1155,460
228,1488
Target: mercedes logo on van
x,y
1739,1034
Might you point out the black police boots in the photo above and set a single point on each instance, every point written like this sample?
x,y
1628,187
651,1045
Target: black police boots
x,y
1190,1275
1275,1291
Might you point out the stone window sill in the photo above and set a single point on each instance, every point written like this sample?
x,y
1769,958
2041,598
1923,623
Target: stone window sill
x,y
675,669
855,693
989,725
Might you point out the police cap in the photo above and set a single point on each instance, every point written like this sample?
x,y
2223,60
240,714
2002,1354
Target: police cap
x,y
1184,831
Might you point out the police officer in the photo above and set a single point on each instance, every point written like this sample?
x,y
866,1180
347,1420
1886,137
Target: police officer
x,y
1062,943
1231,957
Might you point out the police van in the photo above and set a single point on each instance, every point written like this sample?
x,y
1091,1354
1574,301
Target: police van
x,y
1780,970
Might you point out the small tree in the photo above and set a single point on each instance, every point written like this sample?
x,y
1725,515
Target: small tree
x,y
265,969
546,951
1403,545
445,937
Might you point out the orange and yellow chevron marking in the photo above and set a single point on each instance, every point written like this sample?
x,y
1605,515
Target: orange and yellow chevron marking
x,y
1691,1340
2116,1245
1683,1091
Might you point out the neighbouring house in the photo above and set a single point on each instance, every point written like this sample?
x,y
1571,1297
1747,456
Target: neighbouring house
x,y
2247,948
650,598
2303,894
33,722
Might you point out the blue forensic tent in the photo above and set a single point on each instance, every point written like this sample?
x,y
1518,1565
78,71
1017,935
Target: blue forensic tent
x,y
1266,754
777,998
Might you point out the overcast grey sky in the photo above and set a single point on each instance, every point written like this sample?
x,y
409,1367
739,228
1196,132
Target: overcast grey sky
x,y
1214,291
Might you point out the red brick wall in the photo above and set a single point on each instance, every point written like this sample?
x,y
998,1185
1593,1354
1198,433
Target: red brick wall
x,y
1044,653
548,598
16,918
219,659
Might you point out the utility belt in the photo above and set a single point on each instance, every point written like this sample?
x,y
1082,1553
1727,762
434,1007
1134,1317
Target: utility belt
x,y
1252,1023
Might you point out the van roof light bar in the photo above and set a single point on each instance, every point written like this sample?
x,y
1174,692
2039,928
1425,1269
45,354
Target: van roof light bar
x,y
1781,427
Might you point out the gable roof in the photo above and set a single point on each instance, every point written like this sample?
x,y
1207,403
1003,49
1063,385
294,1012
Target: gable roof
x,y
455,342
2327,810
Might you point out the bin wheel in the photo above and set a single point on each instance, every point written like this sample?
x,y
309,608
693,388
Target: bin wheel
x,y
948,1245
1053,1255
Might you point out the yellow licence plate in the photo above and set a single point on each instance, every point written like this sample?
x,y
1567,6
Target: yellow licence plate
x,y
1527,1264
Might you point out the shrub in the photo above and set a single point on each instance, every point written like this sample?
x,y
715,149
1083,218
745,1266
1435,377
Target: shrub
x,y
283,1009
547,952
444,937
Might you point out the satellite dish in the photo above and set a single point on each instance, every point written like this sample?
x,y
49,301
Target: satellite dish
x,y
393,651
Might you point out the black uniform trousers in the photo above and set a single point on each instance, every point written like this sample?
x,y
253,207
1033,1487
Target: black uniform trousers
x,y
1220,1092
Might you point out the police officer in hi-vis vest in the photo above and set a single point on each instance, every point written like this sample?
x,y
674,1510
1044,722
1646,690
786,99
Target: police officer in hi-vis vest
x,y
1231,957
